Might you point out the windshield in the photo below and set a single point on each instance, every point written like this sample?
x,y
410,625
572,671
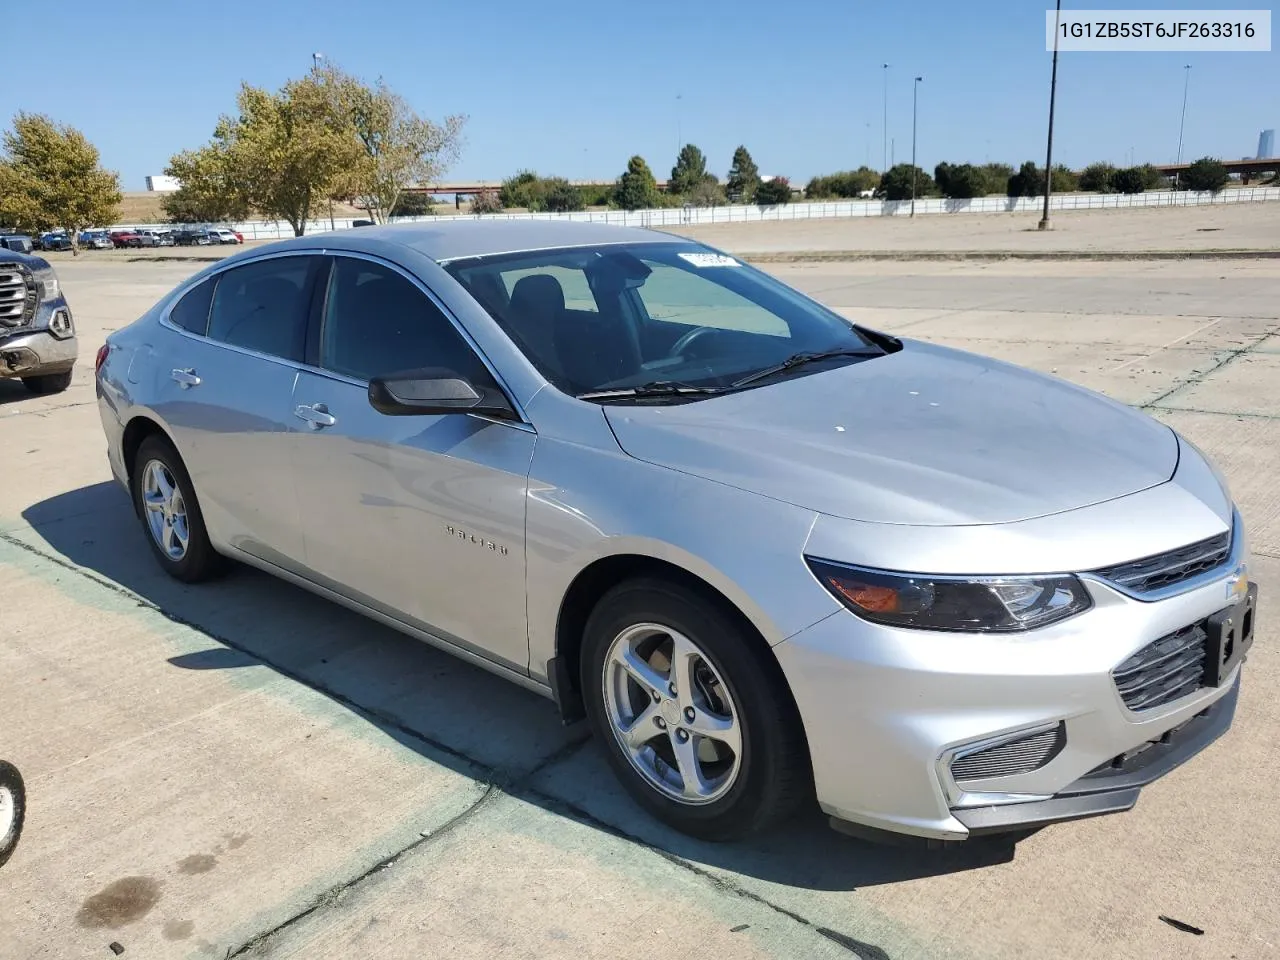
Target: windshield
x,y
621,316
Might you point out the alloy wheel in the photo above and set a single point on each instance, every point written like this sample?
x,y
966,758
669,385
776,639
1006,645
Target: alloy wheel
x,y
672,714
166,511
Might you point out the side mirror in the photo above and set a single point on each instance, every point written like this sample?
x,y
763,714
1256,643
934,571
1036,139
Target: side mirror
x,y
435,392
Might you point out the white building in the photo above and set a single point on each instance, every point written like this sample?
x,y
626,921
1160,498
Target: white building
x,y
163,184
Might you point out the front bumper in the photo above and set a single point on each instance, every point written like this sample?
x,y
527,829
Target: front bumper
x,y
887,711
36,353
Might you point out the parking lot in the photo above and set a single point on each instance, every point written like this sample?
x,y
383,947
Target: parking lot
x,y
244,769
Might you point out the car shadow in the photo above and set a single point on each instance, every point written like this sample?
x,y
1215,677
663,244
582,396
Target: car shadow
x,y
12,390
449,711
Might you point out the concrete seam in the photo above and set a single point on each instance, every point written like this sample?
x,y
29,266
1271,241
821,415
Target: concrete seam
x,y
1200,377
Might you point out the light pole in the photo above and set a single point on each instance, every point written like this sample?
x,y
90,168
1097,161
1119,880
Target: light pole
x,y
915,102
1182,124
679,131
884,160
1053,92
315,60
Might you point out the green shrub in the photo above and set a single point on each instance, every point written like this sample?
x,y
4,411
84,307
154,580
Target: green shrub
x,y
775,191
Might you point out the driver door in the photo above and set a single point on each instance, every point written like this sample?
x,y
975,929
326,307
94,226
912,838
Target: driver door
x,y
418,517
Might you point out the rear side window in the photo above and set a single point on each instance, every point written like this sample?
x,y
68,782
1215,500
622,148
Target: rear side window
x,y
192,311
263,306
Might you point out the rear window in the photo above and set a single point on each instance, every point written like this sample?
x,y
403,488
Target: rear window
x,y
191,312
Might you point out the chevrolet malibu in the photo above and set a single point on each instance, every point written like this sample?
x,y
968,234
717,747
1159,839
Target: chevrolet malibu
x,y
768,553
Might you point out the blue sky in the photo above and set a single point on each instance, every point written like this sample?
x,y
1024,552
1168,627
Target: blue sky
x,y
574,88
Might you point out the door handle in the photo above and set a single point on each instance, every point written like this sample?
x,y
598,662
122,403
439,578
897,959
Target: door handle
x,y
316,415
185,378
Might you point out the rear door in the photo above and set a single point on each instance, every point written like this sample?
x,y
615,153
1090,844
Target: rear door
x,y
226,378
420,517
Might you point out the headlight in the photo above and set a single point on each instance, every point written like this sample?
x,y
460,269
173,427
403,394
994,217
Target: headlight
x,y
968,604
46,282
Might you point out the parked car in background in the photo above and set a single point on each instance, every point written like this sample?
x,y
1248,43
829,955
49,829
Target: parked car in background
x,y
769,553
17,242
155,238
125,238
192,236
96,240
225,235
37,334
55,240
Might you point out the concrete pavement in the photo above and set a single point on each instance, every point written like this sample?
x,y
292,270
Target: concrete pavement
x,y
242,769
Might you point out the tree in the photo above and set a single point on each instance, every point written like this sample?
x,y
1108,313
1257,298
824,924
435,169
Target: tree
x,y
707,193
847,184
743,178
1027,182
524,189
960,181
560,196
283,154
398,148
896,183
414,204
486,201
50,177
774,191
637,190
1096,177
689,171
1064,180
1129,180
1206,173
208,193
995,177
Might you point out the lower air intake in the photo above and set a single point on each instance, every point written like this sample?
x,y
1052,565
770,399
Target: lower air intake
x,y
1020,755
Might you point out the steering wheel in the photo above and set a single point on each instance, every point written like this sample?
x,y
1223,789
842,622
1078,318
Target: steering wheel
x,y
693,336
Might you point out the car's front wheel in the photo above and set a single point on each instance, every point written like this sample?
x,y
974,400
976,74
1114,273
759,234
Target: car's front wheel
x,y
165,501
692,711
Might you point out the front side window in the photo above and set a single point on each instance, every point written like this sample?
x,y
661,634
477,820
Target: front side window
x,y
377,323
263,306
624,316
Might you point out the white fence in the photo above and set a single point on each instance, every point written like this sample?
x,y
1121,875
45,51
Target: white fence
x,y
844,209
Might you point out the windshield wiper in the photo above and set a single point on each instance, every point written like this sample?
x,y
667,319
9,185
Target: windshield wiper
x,y
656,389
800,359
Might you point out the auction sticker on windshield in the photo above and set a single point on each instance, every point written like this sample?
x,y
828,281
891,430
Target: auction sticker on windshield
x,y
709,260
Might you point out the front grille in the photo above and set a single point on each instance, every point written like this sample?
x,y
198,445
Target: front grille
x,y
1168,569
1013,756
17,295
1164,670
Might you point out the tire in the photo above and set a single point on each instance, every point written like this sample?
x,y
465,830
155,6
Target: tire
x,y
13,809
734,681
48,382
196,561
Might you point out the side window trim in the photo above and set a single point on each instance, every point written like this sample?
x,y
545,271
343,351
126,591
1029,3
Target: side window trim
x,y
438,304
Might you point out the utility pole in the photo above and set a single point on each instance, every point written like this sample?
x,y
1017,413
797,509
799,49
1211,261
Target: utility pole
x,y
1186,73
1053,92
884,160
915,101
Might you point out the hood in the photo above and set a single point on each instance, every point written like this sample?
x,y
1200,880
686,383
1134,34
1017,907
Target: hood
x,y
927,435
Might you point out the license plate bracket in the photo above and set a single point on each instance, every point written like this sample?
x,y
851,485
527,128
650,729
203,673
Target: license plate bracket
x,y
1230,635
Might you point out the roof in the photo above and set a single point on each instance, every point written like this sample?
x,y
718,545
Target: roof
x,y
450,238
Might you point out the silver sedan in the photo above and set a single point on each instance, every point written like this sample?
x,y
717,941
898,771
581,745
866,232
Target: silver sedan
x,y
771,555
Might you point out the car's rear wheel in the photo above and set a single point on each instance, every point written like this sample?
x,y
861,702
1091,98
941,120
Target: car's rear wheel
x,y
48,382
165,501
13,809
695,720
